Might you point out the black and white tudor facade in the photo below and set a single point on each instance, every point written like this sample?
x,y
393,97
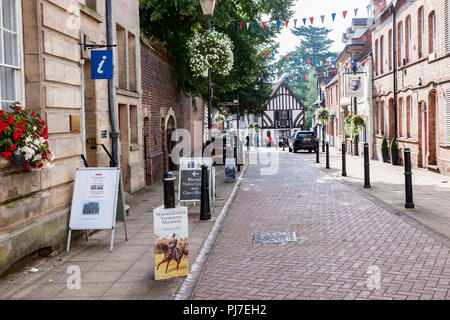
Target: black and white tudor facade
x,y
285,113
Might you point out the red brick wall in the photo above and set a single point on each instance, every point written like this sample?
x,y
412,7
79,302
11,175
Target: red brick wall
x,y
161,97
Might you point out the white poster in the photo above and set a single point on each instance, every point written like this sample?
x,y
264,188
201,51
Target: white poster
x,y
171,242
354,85
94,201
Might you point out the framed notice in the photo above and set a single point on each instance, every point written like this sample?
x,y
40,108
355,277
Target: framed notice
x,y
230,169
171,242
190,178
97,198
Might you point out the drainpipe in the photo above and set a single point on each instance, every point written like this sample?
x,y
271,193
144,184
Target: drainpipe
x,y
83,111
394,61
112,101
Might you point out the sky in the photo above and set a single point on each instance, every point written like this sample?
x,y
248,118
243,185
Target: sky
x,y
316,8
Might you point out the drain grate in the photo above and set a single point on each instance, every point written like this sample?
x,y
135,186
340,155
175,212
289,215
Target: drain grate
x,y
274,238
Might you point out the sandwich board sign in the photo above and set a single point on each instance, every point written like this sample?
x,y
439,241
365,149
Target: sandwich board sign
x,y
230,169
190,181
171,242
97,201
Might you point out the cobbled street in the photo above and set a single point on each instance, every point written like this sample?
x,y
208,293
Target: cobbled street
x,y
345,242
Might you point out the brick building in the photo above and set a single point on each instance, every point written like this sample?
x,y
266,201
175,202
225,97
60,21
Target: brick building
x,y
48,71
164,109
411,85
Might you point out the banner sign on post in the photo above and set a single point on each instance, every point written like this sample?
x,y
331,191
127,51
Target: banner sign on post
x,y
101,64
354,85
190,181
97,199
171,242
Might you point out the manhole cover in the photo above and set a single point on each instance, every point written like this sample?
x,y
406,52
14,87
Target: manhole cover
x,y
276,237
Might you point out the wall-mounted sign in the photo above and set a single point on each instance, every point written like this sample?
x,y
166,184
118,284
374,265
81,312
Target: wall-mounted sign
x,y
97,201
171,242
354,85
101,64
230,169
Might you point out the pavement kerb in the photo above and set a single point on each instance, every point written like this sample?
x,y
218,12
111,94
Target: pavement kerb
x,y
391,209
191,282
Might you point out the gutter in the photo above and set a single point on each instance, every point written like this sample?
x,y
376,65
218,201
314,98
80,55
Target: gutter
x,y
394,62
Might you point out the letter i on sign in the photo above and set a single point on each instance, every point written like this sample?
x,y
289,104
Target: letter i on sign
x,y
101,64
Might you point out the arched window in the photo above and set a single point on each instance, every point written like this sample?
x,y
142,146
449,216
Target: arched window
x,y
381,53
400,45
421,30
390,49
382,121
401,115
408,117
376,57
408,38
431,32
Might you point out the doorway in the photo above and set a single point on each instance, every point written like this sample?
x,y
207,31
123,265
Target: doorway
x,y
431,128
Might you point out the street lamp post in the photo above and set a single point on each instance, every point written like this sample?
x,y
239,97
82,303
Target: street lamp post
x,y
208,10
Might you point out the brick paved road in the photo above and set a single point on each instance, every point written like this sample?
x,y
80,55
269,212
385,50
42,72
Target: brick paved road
x,y
340,235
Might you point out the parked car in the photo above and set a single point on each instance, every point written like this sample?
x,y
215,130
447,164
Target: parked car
x,y
303,140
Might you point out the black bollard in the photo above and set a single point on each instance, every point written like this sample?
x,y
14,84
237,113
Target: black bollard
x,y
317,154
366,166
205,210
344,166
224,156
328,155
408,180
169,190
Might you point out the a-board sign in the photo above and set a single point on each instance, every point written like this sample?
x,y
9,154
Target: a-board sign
x,y
171,242
190,181
97,200
230,169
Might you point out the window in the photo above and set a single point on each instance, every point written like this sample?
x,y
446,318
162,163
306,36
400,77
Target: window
x,y
421,31
376,57
381,54
447,27
91,4
401,117
132,63
408,38
408,117
431,32
10,54
400,53
447,117
390,49
376,113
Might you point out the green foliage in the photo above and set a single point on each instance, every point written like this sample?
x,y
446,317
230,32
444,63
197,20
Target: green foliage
x,y
384,143
394,145
254,128
174,22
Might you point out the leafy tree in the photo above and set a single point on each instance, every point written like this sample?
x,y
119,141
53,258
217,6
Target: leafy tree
x,y
172,23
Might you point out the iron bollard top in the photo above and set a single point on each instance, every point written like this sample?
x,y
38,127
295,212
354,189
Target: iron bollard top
x,y
407,150
169,176
204,166
366,144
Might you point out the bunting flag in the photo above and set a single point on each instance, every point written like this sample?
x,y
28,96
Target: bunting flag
x,y
322,18
265,53
381,5
234,25
248,25
255,25
369,7
333,15
304,21
263,25
287,58
287,22
278,24
295,23
312,20
356,11
240,25
344,13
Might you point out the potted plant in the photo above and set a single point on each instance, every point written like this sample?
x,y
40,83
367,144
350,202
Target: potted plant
x,y
385,149
394,152
353,125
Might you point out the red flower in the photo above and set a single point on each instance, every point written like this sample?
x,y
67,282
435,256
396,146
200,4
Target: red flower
x,y
2,112
10,119
13,147
3,125
6,155
26,167
44,156
40,165
17,134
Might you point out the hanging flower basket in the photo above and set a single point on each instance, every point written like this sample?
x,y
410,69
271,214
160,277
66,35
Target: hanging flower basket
x,y
323,115
23,139
219,119
213,50
353,125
